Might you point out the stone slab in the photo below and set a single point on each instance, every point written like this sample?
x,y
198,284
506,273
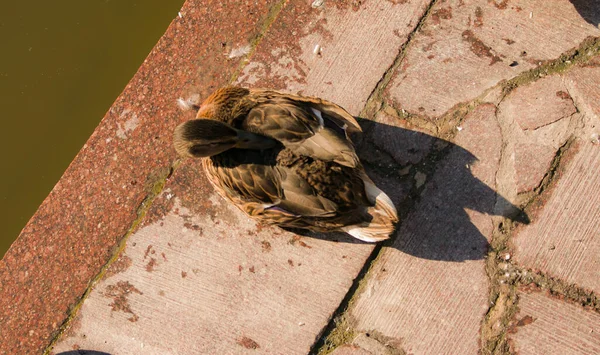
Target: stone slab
x,y
73,233
583,84
538,119
466,47
367,344
429,290
532,162
563,239
350,350
539,103
546,325
333,50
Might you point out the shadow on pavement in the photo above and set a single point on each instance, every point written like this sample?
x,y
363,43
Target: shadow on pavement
x,y
437,226
589,10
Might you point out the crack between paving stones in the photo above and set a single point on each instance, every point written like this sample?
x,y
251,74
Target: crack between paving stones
x,y
505,277
502,295
375,99
320,347
581,54
272,15
550,175
559,288
157,188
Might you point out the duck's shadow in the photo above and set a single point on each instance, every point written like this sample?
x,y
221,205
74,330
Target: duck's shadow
x,y
589,10
437,222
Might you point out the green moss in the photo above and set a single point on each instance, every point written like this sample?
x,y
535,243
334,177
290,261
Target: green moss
x,y
562,289
254,41
343,333
588,49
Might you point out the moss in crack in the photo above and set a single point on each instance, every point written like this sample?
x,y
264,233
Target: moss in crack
x,y
416,121
378,343
271,16
580,55
534,200
503,278
341,330
343,333
444,127
448,123
559,288
375,100
155,186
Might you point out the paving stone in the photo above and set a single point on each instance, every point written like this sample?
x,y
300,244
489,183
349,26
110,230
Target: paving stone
x,y
540,103
546,325
532,162
563,240
539,118
377,345
366,344
583,84
333,50
73,233
466,47
204,278
429,290
350,350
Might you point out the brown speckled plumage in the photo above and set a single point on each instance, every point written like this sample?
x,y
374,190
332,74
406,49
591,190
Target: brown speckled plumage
x,y
291,164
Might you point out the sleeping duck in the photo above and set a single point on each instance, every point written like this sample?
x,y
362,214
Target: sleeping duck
x,y
287,160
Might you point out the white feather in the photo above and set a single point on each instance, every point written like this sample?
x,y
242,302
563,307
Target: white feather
x,y
319,116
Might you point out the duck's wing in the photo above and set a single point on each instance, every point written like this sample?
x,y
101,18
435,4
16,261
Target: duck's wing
x,y
308,126
260,188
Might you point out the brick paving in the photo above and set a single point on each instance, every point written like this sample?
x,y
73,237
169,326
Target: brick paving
x,y
481,120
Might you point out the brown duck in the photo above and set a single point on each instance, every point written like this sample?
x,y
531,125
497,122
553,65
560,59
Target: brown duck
x,y
287,160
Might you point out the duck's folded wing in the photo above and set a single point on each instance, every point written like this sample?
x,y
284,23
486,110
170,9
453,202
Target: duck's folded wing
x,y
250,182
308,126
300,198
273,189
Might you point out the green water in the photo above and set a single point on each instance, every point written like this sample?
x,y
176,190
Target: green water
x,y
62,64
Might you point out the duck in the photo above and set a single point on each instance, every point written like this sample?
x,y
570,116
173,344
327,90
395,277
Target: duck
x,y
287,160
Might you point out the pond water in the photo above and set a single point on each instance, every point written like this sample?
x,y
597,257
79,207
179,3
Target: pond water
x,y
62,65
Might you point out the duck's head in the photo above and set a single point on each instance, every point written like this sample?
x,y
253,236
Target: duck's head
x,y
205,137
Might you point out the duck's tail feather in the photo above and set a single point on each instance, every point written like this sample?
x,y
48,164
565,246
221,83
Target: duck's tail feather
x,y
384,216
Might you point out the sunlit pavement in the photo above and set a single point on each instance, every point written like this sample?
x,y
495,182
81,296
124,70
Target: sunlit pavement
x,y
481,120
